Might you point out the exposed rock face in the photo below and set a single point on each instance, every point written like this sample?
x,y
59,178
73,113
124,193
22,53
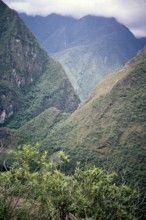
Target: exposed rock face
x,y
2,117
6,114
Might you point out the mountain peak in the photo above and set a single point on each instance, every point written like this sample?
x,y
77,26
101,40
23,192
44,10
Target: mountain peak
x,y
97,17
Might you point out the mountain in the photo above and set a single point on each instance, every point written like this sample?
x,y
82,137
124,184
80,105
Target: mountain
x,y
143,41
88,48
47,29
30,81
38,104
109,129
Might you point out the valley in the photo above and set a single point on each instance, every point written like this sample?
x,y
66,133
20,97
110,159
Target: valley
x,y
77,89
88,48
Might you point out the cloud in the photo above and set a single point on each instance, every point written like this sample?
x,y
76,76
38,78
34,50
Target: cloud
x,y
129,12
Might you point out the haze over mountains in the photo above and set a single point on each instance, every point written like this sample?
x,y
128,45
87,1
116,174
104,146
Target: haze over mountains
x,y
88,48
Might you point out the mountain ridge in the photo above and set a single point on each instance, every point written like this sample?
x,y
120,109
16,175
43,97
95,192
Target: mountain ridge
x,y
109,128
30,81
88,48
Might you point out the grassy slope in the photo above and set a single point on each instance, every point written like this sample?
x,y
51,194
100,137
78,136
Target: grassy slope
x,y
38,128
109,129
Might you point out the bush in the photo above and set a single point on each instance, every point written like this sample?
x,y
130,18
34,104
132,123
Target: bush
x,y
35,188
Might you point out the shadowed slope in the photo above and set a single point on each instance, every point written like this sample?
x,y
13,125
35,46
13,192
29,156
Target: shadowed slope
x,y
30,81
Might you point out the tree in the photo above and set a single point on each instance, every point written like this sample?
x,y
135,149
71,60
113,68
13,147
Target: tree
x,y
35,188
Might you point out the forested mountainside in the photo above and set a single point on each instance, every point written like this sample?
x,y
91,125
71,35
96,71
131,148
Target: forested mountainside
x,y
109,129
88,48
28,76
30,81
39,105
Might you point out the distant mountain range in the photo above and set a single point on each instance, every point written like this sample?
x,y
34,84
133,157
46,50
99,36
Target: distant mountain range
x,y
88,48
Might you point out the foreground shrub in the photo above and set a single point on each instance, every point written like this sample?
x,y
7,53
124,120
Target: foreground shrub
x,y
35,188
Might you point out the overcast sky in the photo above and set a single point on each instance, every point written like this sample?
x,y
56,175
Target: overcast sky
x,y
132,13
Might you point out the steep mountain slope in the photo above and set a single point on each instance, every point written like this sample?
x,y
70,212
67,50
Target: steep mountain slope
x,y
88,48
109,129
30,81
143,41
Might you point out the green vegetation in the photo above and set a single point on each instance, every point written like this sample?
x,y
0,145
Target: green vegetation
x,y
21,61
108,130
30,81
38,128
36,188
52,89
